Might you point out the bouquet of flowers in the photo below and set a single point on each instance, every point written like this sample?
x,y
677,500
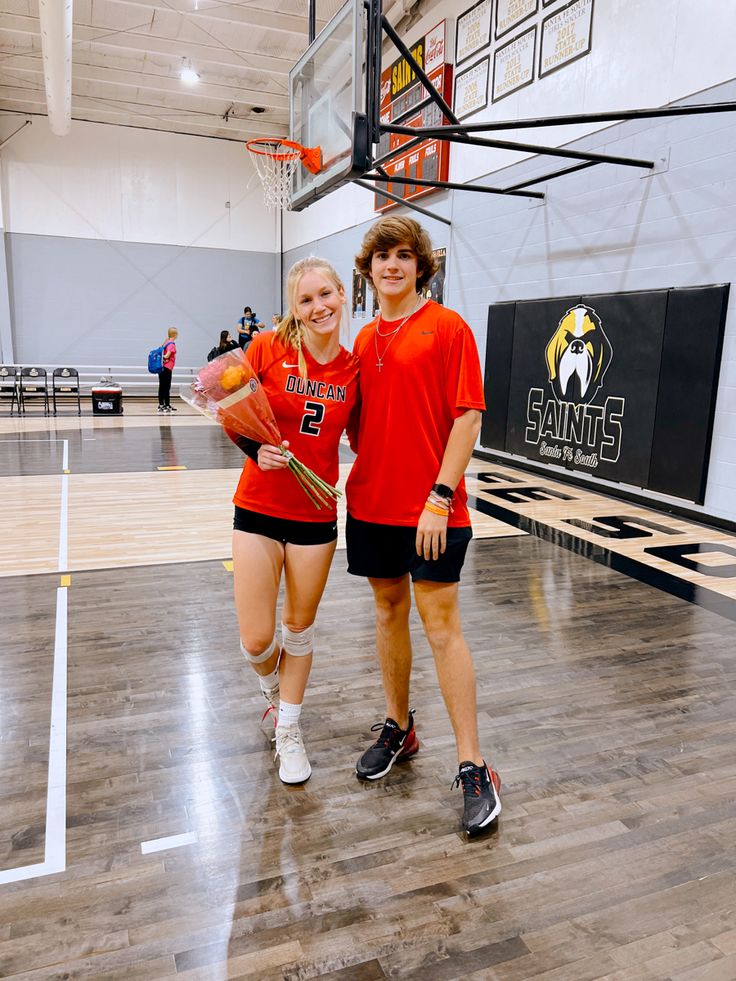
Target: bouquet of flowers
x,y
228,391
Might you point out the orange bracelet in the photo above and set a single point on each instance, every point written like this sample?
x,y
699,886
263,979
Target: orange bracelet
x,y
436,510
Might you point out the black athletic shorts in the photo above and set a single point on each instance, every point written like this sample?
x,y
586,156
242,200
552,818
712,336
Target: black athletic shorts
x,y
390,551
283,529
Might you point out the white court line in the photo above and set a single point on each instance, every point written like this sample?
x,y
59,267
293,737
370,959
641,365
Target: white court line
x,y
55,856
173,841
55,851
64,525
47,439
55,837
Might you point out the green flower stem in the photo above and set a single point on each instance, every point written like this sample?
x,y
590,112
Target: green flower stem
x,y
317,501
316,481
319,491
306,485
315,491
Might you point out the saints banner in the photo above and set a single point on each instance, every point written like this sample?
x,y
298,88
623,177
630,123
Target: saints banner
x,y
594,384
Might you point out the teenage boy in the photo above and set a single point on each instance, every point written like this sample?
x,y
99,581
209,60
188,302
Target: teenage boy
x,y
422,398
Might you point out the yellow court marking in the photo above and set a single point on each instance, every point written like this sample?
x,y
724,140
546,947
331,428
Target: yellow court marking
x,y
66,581
228,563
171,468
67,471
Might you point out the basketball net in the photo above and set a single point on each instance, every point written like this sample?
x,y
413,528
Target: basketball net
x,y
276,161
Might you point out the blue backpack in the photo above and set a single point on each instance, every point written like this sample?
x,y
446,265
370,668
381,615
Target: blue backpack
x,y
156,360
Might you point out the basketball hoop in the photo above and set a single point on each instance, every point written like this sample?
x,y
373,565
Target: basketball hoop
x,y
276,160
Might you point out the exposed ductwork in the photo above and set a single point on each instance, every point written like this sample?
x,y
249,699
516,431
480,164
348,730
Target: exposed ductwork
x,y
56,44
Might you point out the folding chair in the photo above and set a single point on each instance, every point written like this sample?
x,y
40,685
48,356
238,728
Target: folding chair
x,y
34,383
65,381
9,387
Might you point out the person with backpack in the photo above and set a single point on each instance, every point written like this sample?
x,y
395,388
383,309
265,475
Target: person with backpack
x,y
167,370
226,344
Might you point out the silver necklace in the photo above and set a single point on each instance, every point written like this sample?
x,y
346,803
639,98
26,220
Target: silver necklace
x,y
390,334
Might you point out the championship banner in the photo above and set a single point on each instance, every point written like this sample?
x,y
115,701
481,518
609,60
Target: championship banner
x,y
400,91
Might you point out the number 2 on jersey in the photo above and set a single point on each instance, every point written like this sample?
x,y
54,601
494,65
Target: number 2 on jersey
x,y
312,419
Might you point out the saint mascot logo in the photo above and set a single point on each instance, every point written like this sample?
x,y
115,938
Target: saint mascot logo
x,y
578,355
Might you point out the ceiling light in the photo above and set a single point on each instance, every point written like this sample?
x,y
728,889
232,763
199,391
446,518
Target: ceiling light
x,y
187,73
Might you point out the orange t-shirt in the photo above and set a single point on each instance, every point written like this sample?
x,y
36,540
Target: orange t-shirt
x,y
430,375
311,414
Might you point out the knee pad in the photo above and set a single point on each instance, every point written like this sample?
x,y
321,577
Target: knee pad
x,y
259,658
298,643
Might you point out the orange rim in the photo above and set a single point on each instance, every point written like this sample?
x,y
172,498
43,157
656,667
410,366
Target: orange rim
x,y
311,157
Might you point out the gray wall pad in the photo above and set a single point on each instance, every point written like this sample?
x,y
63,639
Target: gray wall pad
x,y
7,354
95,302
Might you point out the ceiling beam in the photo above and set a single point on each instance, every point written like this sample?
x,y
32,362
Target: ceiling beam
x,y
227,90
216,51
229,12
55,23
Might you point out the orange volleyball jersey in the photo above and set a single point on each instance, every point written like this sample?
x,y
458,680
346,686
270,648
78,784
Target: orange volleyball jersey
x,y
430,375
311,413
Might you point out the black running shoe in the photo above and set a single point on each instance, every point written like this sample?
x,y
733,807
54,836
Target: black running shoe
x,y
481,788
393,744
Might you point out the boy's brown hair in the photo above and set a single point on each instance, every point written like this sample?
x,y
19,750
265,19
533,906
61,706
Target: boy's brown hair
x,y
392,231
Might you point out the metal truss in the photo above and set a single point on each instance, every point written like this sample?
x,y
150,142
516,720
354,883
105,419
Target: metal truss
x,y
456,132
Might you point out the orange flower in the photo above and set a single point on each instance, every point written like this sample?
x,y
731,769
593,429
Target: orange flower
x,y
232,377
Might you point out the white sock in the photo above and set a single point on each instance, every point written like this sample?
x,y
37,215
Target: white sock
x,y
269,681
288,713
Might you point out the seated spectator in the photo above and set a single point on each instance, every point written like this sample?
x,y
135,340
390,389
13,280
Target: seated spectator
x,y
251,331
226,344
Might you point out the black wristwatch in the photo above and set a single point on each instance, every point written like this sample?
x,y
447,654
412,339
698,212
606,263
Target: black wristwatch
x,y
443,490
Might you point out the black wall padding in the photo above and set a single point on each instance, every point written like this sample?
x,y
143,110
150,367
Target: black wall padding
x,y
635,324
688,385
635,403
497,378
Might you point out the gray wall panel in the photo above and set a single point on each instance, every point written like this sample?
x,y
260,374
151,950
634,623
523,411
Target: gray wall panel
x,y
6,334
95,302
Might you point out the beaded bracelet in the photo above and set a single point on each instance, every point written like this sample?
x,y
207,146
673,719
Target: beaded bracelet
x,y
441,502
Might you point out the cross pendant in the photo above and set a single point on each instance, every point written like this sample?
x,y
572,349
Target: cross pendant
x,y
379,364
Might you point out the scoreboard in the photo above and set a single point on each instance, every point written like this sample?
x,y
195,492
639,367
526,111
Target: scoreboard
x,y
400,91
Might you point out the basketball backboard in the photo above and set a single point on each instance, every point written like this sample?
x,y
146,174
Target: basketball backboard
x,y
327,106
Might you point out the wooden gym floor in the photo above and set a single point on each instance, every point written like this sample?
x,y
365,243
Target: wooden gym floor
x,y
144,833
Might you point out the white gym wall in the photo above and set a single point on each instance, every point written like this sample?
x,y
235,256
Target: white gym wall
x,y
113,234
